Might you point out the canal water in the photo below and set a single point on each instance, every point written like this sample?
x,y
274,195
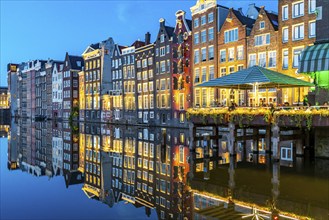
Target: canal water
x,y
93,171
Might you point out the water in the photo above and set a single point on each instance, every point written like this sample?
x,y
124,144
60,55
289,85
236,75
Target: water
x,y
110,172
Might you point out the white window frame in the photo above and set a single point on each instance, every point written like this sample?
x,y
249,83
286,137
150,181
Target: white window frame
x,y
309,29
301,35
285,36
285,8
300,9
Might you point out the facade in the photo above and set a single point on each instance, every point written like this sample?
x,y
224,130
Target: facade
x,y
163,75
297,21
232,47
208,18
13,98
82,96
98,77
145,82
57,149
262,50
182,94
57,92
145,169
116,94
129,82
72,66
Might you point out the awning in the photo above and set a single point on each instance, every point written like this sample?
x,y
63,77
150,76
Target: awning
x,y
315,58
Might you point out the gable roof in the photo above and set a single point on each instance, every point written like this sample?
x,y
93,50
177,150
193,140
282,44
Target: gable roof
x,y
243,19
94,46
75,61
273,18
189,23
169,30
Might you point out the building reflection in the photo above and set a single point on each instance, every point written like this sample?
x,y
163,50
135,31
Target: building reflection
x,y
153,168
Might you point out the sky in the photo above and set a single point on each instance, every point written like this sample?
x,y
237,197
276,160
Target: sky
x,y
43,29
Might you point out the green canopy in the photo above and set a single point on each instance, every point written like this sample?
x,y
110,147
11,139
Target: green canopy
x,y
256,75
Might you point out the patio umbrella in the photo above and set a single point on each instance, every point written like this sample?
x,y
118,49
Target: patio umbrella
x,y
255,78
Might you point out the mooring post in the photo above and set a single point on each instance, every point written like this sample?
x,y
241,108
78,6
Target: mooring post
x,y
275,142
255,145
231,139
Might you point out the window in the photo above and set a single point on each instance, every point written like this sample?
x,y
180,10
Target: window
x,y
262,59
211,72
210,17
311,29
162,51
285,34
211,52
210,34
285,12
196,38
286,153
262,39
262,25
204,74
298,32
252,60
203,20
285,59
203,36
197,97
162,38
168,49
231,54
231,35
204,97
197,75
231,69
311,6
196,56
298,9
163,66
204,54
222,56
150,61
297,56
196,22
240,67
222,71
272,59
240,53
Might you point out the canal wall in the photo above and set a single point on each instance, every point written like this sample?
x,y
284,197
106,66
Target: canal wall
x,y
322,142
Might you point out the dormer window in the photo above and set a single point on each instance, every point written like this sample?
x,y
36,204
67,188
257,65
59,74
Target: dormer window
x,y
261,25
202,7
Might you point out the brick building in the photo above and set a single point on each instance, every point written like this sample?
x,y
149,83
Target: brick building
x,y
232,47
145,83
129,81
208,18
297,30
182,93
70,86
262,50
163,74
116,94
98,77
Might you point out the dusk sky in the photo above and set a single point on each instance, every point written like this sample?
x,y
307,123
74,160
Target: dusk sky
x,y
48,29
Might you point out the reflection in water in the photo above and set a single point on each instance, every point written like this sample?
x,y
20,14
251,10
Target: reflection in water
x,y
153,167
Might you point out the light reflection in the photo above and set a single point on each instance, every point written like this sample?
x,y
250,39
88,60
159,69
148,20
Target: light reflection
x,y
152,167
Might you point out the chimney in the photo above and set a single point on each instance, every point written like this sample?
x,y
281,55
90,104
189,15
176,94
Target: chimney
x,y
147,38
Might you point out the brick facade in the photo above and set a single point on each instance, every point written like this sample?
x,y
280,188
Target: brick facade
x,y
260,46
290,47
